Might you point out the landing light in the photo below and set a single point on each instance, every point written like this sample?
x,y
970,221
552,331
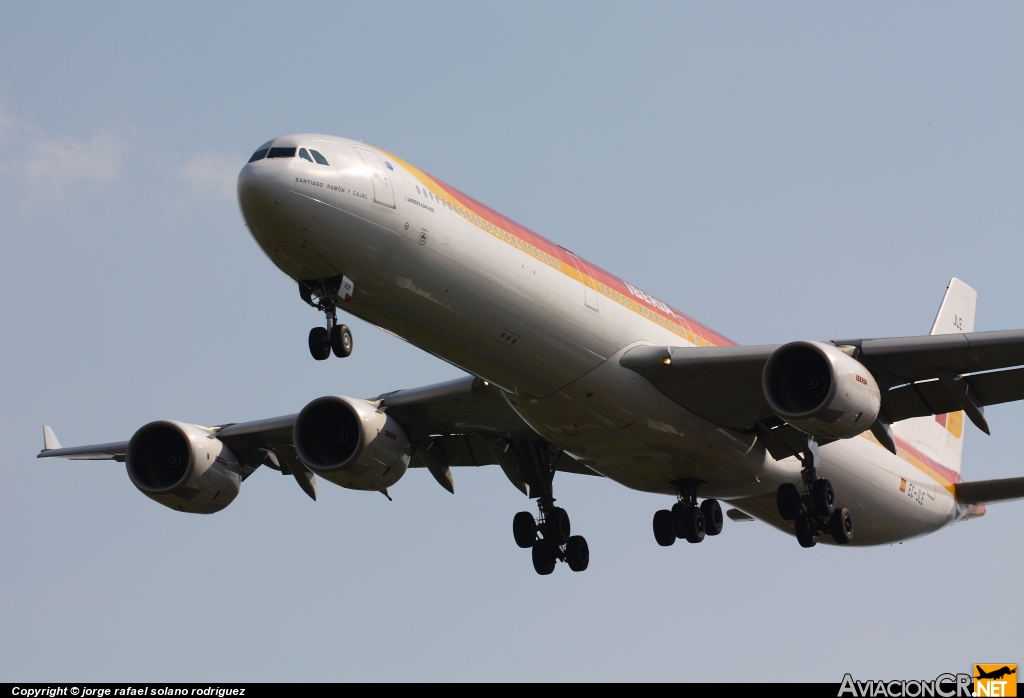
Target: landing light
x,y
667,361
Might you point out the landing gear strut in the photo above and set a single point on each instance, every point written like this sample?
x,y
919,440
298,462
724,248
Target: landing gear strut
x,y
322,294
812,509
686,519
549,535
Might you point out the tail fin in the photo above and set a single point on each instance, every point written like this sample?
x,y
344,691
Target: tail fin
x,y
941,437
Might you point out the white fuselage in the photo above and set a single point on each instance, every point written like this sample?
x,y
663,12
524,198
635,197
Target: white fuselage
x,y
460,281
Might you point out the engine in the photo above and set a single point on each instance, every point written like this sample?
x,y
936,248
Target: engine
x,y
821,390
183,467
351,443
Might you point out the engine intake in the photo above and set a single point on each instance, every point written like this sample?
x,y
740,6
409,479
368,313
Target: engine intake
x,y
352,444
181,467
821,390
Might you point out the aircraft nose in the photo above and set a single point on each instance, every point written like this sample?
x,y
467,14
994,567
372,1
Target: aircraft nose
x,y
261,193
257,185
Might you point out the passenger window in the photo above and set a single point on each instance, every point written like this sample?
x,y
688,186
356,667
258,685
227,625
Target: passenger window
x,y
320,159
259,155
418,190
281,153
304,155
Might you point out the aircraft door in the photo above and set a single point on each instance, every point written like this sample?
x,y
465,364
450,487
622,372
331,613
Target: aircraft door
x,y
589,292
383,189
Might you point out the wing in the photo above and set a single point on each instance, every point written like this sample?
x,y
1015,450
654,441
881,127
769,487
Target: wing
x,y
918,376
464,422
467,422
112,451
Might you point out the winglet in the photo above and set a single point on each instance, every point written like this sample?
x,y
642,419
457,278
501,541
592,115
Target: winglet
x,y
956,314
50,441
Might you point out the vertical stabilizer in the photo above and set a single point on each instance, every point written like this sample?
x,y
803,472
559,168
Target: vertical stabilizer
x,y
942,437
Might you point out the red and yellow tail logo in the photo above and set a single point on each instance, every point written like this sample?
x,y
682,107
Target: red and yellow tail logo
x,y
995,680
953,422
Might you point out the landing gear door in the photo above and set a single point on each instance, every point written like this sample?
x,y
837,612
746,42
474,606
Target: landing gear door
x,y
383,189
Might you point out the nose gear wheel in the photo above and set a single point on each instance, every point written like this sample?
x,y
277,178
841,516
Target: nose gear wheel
x,y
322,294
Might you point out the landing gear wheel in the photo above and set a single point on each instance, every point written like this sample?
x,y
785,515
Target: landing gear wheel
x,y
823,498
695,526
543,558
319,343
804,534
663,532
689,523
524,528
341,341
556,526
788,500
577,553
841,526
713,519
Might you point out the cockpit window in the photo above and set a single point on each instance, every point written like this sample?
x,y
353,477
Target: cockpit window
x,y
281,153
320,159
259,155
304,155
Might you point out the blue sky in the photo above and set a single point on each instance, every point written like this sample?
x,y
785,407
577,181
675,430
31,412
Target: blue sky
x,y
778,171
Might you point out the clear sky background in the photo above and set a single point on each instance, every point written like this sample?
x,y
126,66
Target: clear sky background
x,y
777,171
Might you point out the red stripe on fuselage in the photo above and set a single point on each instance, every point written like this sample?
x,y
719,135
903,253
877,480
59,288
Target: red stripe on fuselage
x,y
561,254
950,476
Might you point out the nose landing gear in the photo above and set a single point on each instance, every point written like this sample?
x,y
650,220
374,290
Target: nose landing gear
x,y
813,511
322,294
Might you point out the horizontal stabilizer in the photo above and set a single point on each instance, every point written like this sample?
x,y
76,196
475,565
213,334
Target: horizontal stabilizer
x,y
988,491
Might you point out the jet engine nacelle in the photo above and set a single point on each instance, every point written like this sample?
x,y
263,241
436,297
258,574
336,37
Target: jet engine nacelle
x,y
184,467
821,390
352,444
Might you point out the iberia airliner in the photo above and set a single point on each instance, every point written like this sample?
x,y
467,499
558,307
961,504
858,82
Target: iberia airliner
x,y
569,368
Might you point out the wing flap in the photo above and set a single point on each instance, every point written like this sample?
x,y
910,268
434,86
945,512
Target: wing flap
x,y
933,397
474,451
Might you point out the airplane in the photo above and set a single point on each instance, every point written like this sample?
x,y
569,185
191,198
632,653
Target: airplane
x,y
996,673
570,369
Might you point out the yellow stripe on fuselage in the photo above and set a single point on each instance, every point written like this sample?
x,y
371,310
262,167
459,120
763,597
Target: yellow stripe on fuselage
x,y
569,269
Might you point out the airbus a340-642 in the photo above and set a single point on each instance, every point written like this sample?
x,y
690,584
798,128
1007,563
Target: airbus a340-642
x,y
849,441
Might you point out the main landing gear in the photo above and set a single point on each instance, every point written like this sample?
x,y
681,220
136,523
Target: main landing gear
x,y
812,508
686,519
549,535
322,294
